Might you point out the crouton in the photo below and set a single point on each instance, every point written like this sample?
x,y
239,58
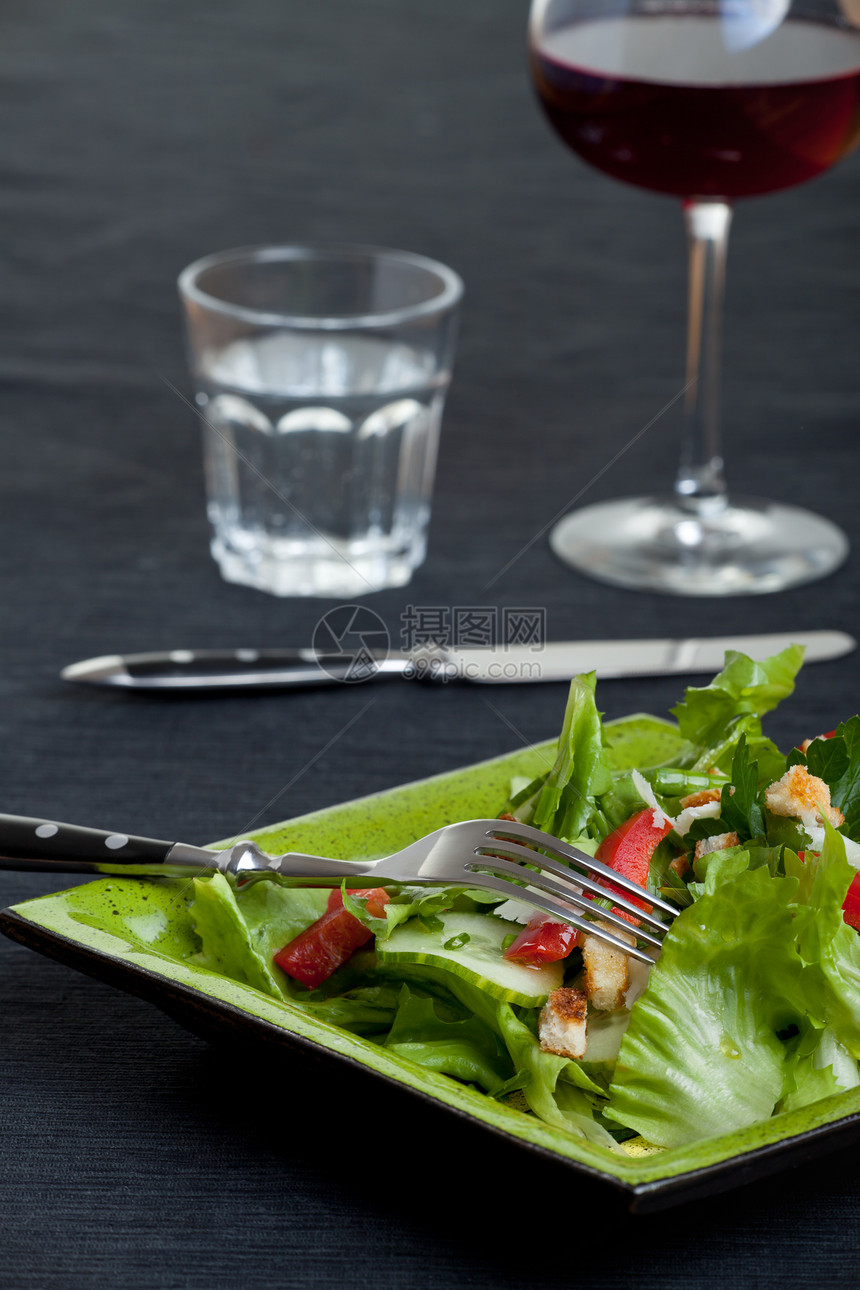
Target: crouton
x,y
606,975
706,804
804,797
681,865
562,1023
701,798
719,842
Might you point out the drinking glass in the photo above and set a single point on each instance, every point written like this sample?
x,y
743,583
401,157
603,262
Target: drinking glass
x,y
707,100
320,375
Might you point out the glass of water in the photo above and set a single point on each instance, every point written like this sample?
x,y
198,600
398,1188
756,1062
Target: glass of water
x,y
320,376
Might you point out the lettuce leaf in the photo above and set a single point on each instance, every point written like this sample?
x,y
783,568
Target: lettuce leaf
x,y
365,1010
456,1043
567,805
713,717
241,929
837,762
750,977
826,943
701,1055
817,1065
416,902
740,800
557,1090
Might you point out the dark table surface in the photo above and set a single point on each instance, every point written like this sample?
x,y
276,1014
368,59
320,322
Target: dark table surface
x,y
138,136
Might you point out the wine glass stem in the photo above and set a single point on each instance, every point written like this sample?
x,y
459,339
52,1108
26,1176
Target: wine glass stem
x,y
701,487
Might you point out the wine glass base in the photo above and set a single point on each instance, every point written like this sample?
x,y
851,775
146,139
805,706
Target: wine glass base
x,y
747,547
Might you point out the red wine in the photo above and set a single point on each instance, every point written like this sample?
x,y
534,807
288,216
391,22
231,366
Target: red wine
x,y
665,102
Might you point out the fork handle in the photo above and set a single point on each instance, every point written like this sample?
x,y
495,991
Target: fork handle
x,y
29,843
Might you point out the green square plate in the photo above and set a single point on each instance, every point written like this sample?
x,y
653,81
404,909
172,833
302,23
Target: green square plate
x,y
137,935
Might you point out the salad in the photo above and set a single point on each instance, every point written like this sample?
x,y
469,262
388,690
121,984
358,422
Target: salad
x,y
753,1006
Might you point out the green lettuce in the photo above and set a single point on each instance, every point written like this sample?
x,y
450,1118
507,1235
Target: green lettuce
x,y
750,976
556,1089
817,1065
713,717
702,1055
753,1008
241,929
567,805
365,1009
425,903
453,1041
828,946
837,762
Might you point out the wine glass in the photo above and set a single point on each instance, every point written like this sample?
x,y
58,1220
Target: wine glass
x,y
708,100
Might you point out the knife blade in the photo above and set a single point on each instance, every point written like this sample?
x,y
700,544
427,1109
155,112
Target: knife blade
x,y
204,670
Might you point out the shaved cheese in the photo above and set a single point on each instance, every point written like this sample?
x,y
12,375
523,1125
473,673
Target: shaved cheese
x,y
516,911
816,843
708,810
646,792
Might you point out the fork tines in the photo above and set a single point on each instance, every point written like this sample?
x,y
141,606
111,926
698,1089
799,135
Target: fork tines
x,y
565,882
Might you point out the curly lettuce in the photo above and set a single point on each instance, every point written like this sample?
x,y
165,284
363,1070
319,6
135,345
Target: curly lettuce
x,y
756,983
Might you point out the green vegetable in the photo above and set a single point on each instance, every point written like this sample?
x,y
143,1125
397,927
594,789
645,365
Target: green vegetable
x,y
837,762
753,1008
567,804
701,1055
416,902
241,930
478,961
444,1038
758,957
557,1090
712,719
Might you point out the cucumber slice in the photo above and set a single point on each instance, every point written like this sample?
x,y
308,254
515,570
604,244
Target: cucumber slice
x,y
477,960
604,1034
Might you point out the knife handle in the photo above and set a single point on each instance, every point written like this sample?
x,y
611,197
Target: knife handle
x,y
27,843
225,669
210,669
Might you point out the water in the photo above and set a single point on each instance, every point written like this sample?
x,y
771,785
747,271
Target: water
x,y
320,453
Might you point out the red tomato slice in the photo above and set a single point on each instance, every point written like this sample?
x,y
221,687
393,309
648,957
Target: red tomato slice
x,y
318,951
543,941
628,850
851,906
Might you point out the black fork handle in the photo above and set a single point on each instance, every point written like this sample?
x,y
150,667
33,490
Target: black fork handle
x,y
30,843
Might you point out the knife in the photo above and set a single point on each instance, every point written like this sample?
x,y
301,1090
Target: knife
x,y
209,669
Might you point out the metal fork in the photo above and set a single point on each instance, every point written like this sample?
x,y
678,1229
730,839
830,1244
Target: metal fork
x,y
502,856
